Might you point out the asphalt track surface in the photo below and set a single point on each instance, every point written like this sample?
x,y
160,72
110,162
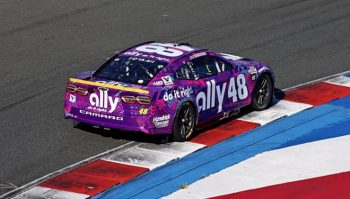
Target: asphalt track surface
x,y
42,43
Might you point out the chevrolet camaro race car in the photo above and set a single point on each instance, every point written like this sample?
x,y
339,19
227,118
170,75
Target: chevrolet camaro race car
x,y
166,88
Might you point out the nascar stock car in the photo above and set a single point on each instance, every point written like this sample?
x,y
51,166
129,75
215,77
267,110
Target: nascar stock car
x,y
166,88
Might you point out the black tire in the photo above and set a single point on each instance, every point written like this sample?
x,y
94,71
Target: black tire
x,y
184,122
263,93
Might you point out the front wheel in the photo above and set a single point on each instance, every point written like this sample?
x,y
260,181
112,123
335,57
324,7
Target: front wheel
x,y
184,122
263,93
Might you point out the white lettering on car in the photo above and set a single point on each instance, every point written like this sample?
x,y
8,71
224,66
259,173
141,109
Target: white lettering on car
x,y
207,100
221,95
181,92
103,100
162,121
100,115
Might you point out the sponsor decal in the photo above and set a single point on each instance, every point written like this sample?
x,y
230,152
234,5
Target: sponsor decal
x,y
72,98
141,59
190,66
162,121
178,93
252,70
103,102
133,53
158,83
208,100
167,80
101,115
215,93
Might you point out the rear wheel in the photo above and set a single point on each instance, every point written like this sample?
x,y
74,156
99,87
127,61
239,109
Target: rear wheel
x,y
184,122
262,94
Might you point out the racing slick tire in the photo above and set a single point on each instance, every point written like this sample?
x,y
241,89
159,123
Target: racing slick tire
x,y
184,122
263,93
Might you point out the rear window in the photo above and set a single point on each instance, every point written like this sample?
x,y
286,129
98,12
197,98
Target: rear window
x,y
128,69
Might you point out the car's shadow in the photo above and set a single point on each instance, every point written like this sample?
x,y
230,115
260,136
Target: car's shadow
x,y
159,139
124,135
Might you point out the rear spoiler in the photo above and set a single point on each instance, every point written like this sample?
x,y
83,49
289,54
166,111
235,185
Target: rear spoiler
x,y
117,87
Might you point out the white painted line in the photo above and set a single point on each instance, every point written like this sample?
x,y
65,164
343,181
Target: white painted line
x,y
56,173
315,81
43,192
140,157
180,149
300,162
150,156
283,108
340,80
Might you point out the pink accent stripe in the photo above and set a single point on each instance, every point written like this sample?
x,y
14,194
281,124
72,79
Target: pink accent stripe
x,y
331,186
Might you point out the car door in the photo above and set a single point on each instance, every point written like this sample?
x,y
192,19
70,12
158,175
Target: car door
x,y
237,92
242,75
209,84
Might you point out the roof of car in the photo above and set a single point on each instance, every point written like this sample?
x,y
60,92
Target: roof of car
x,y
166,52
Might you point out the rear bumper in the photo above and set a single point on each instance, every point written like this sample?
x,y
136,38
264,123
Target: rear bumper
x,y
136,125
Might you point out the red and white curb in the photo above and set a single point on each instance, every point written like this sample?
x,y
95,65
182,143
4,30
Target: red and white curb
x,y
127,162
151,156
283,108
110,170
43,192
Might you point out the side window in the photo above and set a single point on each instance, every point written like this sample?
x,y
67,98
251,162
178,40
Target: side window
x,y
202,67
186,71
221,66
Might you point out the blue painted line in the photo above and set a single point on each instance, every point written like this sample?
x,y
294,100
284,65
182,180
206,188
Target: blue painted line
x,y
344,102
310,125
340,126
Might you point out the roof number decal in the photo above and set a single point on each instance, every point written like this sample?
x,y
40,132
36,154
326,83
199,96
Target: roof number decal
x,y
165,49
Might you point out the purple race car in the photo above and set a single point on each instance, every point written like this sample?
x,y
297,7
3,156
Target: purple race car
x,y
167,88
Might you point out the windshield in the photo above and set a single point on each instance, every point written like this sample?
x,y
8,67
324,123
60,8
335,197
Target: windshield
x,y
134,70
